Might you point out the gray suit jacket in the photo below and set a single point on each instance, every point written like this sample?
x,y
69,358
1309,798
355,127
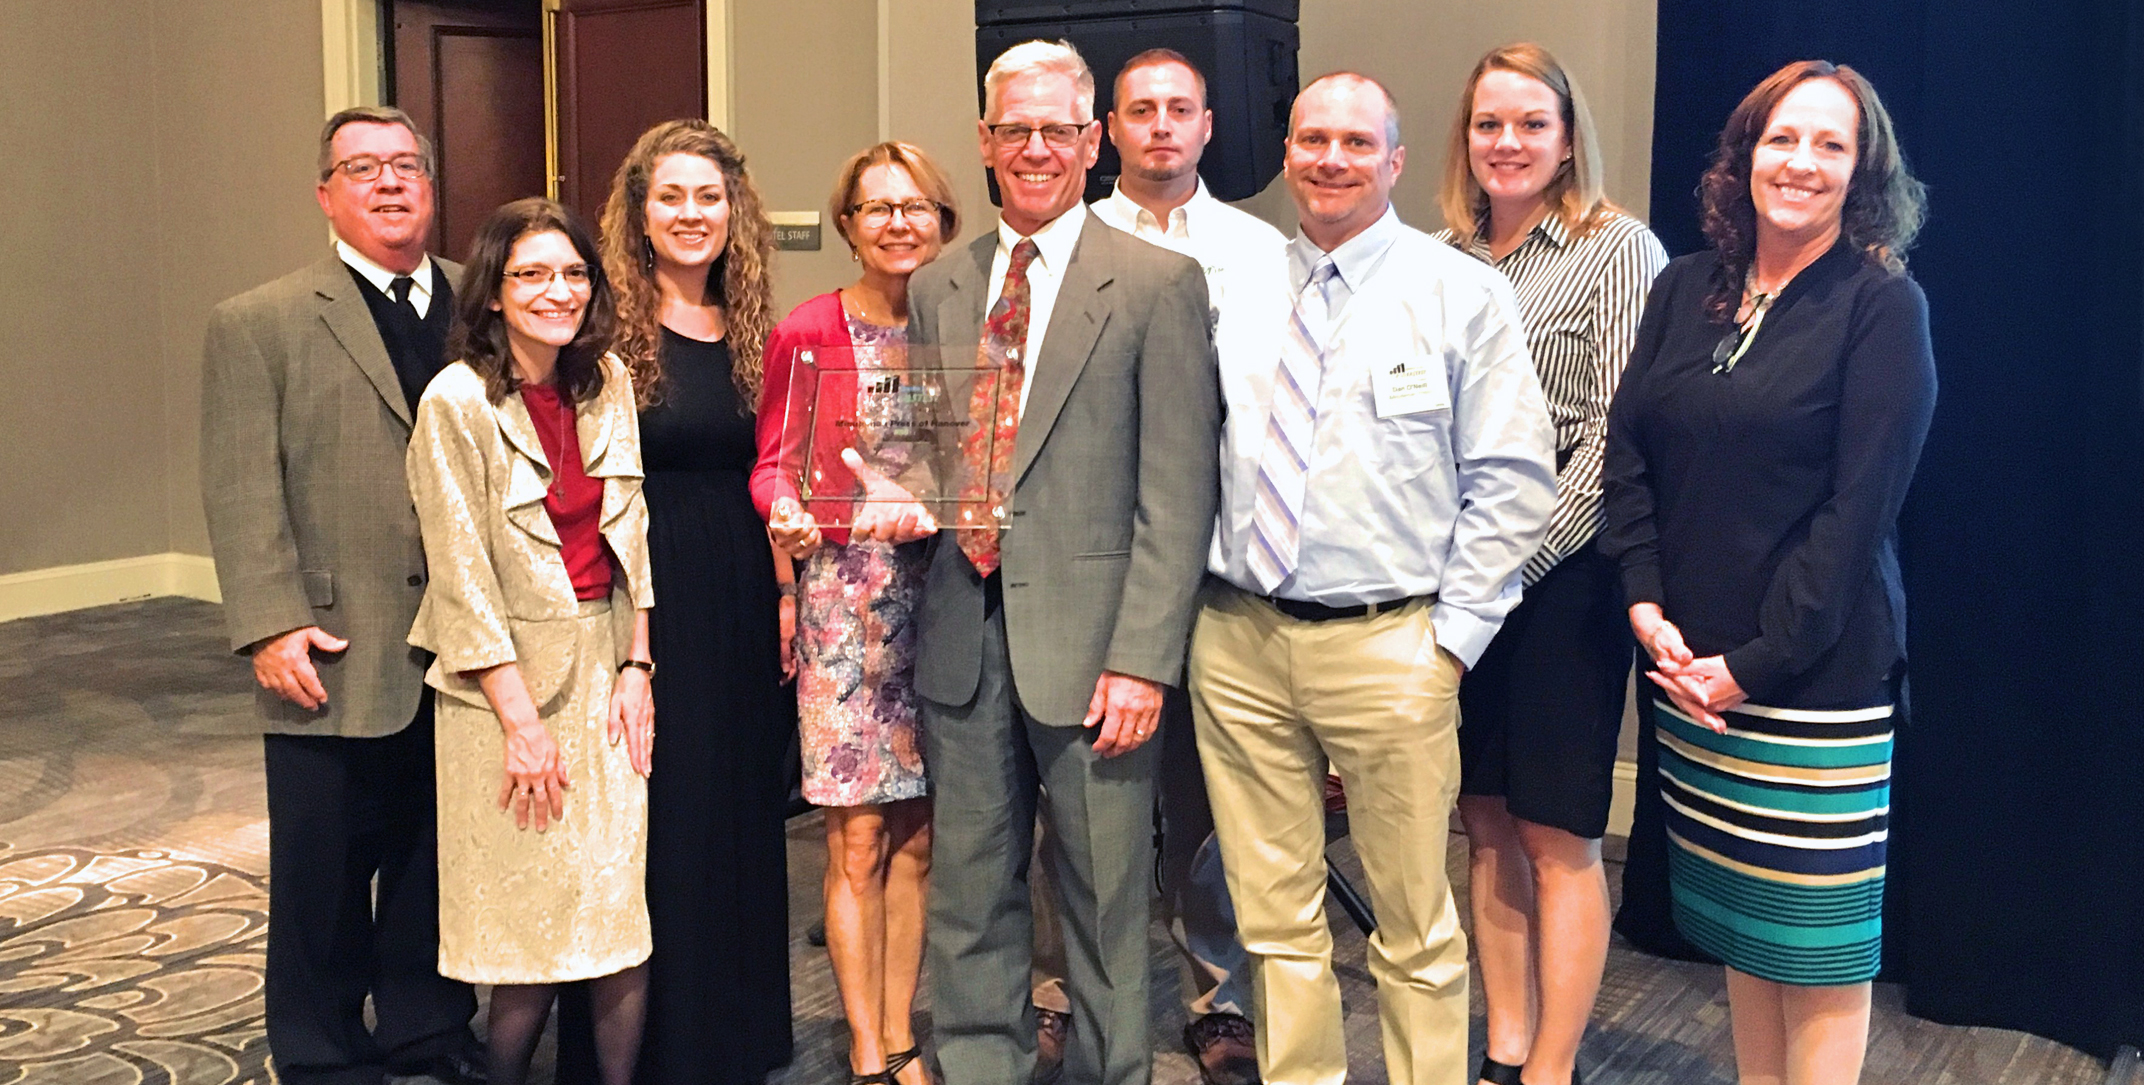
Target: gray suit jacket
x,y
1115,474
303,434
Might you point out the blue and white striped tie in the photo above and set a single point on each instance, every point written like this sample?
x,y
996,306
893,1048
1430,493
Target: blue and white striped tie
x,y
1284,462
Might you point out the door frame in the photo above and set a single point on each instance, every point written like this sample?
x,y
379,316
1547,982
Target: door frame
x,y
350,57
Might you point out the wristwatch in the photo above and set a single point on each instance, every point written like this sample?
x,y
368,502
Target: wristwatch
x,y
637,664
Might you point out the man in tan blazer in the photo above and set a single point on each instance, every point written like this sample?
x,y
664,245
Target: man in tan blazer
x,y
309,385
1043,648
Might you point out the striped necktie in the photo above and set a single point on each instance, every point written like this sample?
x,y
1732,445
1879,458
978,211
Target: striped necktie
x,y
1284,462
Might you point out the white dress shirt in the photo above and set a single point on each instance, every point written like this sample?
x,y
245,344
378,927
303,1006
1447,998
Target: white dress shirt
x,y
1054,243
420,291
1449,494
1236,249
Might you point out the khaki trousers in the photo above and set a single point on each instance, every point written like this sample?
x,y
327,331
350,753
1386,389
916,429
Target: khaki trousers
x,y
1276,700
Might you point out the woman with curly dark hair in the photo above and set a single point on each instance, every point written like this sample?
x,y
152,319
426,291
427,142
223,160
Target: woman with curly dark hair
x,y
688,246
1759,449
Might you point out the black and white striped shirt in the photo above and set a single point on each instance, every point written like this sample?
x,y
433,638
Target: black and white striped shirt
x,y
1580,298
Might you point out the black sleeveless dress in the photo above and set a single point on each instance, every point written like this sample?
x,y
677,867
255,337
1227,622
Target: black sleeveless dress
x,y
718,994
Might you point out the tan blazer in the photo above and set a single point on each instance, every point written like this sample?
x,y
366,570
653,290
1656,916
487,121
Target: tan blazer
x,y
303,430
499,591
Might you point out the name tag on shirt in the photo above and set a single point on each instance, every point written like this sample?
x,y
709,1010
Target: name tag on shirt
x,y
1410,386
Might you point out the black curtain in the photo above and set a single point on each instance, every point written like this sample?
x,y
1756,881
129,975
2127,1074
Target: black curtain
x,y
2017,853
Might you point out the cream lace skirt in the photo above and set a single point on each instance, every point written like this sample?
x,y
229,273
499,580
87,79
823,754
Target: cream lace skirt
x,y
517,906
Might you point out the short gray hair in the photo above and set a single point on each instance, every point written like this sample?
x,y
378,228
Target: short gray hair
x,y
1038,56
1392,107
369,114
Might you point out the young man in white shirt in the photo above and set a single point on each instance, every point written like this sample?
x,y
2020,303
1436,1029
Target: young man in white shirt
x,y
1160,125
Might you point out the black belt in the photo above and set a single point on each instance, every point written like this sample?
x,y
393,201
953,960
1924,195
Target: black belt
x,y
1318,612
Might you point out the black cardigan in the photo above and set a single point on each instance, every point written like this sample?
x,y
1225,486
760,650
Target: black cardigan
x,y
1758,507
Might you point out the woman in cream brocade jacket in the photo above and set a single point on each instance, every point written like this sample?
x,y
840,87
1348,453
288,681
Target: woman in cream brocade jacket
x,y
518,906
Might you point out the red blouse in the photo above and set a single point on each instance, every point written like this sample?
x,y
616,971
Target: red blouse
x,y
574,501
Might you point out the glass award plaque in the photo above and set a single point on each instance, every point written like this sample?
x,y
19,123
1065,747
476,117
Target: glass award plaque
x,y
878,430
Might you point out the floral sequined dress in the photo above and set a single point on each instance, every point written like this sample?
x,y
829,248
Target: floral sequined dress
x,y
856,652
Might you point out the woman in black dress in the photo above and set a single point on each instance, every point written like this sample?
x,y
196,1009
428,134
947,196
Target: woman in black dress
x,y
687,245
1759,449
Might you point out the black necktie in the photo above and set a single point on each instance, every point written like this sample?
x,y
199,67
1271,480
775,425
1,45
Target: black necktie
x,y
401,288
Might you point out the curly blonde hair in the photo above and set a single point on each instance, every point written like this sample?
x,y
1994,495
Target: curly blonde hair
x,y
743,271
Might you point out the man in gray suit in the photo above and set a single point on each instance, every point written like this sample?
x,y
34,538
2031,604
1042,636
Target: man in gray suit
x,y
1043,647
309,384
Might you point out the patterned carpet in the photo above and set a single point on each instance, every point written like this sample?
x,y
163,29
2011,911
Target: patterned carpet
x,y
133,852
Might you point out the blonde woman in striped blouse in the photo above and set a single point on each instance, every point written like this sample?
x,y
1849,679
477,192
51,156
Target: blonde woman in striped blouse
x,y
1540,713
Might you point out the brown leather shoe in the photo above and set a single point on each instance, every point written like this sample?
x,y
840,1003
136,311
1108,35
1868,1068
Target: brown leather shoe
x,y
1052,1031
1225,1047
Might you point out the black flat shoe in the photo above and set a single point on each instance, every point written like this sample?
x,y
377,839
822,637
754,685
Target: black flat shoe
x,y
459,1068
1498,1073
1503,1073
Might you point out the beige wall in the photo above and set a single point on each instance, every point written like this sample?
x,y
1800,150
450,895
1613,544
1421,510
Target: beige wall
x,y
163,161
83,418
1422,52
157,163
238,111
808,91
805,97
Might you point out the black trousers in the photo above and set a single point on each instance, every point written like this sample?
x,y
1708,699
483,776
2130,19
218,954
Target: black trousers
x,y
343,812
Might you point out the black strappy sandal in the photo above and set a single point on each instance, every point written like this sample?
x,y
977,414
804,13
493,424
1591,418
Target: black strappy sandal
x,y
1499,1073
895,1063
899,1061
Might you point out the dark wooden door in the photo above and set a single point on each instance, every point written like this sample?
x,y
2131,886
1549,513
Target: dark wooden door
x,y
470,73
623,66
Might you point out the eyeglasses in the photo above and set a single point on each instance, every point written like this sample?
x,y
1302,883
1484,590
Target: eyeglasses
x,y
876,213
539,278
364,167
1735,343
1056,135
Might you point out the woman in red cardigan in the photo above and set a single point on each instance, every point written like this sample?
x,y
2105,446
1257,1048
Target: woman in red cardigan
x,y
854,644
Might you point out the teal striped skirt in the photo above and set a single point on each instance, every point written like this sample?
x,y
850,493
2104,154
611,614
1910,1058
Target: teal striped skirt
x,y
1776,837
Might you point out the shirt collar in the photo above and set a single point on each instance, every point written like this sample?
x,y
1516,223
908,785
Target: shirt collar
x,y
1550,229
1355,258
383,279
1128,210
1053,242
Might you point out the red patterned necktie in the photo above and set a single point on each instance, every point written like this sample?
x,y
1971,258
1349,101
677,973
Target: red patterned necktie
x,y
988,452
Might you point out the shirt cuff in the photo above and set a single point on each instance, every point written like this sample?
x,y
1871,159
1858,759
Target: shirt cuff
x,y
1464,635
1641,584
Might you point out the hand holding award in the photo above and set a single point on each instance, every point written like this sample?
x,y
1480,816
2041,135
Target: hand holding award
x,y
888,513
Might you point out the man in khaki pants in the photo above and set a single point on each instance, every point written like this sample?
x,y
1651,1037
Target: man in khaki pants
x,y
1384,479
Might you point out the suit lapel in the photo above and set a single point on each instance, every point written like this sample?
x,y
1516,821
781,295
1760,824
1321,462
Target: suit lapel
x,y
349,320
1075,324
960,315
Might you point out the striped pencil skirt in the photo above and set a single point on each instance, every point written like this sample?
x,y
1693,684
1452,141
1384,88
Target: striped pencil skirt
x,y
1776,834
